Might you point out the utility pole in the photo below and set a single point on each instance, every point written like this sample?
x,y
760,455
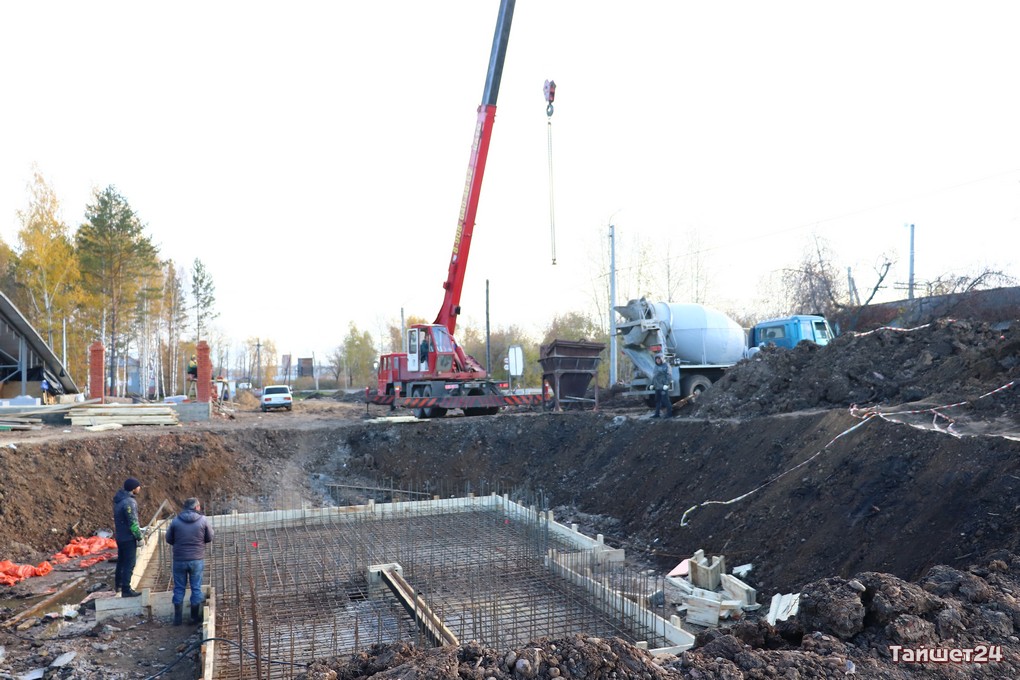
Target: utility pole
x,y
612,306
910,281
488,349
258,361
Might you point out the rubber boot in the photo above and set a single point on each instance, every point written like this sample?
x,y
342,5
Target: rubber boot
x,y
196,613
178,614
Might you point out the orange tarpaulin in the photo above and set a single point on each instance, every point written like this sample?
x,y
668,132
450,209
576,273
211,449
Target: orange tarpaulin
x,y
85,546
102,548
11,573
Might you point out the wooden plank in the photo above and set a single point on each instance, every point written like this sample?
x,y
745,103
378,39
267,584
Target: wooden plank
x,y
104,427
702,612
126,420
706,594
739,590
17,618
144,411
783,607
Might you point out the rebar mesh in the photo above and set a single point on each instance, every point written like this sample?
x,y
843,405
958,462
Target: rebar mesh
x,y
293,586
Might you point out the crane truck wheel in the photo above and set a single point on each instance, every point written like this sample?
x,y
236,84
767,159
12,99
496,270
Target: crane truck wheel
x,y
695,384
432,411
418,412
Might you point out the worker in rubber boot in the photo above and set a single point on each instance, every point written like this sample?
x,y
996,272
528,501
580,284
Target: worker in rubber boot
x,y
188,533
128,535
662,376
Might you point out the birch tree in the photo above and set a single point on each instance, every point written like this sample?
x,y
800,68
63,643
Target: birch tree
x,y
47,266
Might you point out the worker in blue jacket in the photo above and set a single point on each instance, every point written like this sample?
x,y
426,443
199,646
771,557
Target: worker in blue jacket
x,y
188,533
128,535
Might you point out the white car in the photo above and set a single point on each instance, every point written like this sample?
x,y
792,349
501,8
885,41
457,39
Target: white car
x,y
277,396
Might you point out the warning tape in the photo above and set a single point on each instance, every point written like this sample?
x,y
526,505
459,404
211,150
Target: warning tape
x,y
936,412
866,416
683,520
891,328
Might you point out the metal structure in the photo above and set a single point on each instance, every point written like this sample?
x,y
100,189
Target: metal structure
x,y
570,366
24,355
291,586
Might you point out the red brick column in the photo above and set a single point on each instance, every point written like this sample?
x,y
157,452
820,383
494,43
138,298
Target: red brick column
x,y
203,393
97,370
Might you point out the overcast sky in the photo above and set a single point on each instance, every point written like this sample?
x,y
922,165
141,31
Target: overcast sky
x,y
313,154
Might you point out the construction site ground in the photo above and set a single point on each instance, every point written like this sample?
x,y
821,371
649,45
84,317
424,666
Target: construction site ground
x,y
834,471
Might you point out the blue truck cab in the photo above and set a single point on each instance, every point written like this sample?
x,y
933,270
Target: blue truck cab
x,y
789,330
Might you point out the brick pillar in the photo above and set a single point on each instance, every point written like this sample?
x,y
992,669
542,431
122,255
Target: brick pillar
x,y
97,370
203,393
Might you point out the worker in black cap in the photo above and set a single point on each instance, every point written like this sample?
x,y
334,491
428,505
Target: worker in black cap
x,y
662,377
127,534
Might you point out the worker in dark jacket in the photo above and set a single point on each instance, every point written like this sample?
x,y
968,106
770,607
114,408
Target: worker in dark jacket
x,y
662,376
127,534
188,534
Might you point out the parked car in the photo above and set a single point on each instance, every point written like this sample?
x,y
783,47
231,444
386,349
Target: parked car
x,y
277,396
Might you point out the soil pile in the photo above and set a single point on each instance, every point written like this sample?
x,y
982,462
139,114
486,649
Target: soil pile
x,y
942,363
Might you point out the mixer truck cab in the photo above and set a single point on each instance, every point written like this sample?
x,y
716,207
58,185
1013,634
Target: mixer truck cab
x,y
788,331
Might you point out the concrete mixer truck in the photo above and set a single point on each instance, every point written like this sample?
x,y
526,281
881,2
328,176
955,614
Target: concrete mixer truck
x,y
700,343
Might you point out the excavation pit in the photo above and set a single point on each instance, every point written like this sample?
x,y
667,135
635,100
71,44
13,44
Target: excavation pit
x,y
297,585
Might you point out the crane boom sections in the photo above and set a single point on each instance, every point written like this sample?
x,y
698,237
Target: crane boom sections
x,y
454,283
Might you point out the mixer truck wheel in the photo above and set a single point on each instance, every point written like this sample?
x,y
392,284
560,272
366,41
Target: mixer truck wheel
x,y
695,384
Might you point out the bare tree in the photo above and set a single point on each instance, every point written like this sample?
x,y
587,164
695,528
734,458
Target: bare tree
x,y
812,286
815,285
948,284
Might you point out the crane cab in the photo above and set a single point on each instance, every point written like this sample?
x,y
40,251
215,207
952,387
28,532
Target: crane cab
x,y
432,356
430,350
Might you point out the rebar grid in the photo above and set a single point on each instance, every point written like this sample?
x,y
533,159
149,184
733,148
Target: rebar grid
x,y
293,588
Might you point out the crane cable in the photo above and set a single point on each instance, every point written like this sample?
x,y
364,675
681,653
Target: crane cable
x,y
550,95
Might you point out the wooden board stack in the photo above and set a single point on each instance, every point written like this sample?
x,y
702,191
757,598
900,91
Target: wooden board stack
x,y
16,422
123,414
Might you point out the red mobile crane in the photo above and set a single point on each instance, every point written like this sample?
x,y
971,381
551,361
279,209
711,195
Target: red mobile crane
x,y
435,374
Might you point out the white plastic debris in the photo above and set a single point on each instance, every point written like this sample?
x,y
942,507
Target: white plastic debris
x,y
63,659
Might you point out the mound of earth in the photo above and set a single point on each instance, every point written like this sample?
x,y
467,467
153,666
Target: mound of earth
x,y
942,363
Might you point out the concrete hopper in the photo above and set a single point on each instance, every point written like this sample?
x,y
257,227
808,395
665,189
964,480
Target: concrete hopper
x,y
569,366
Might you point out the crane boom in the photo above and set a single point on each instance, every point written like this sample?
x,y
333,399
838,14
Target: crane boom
x,y
454,283
434,374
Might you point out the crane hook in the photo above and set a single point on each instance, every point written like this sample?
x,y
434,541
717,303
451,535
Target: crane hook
x,y
550,95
